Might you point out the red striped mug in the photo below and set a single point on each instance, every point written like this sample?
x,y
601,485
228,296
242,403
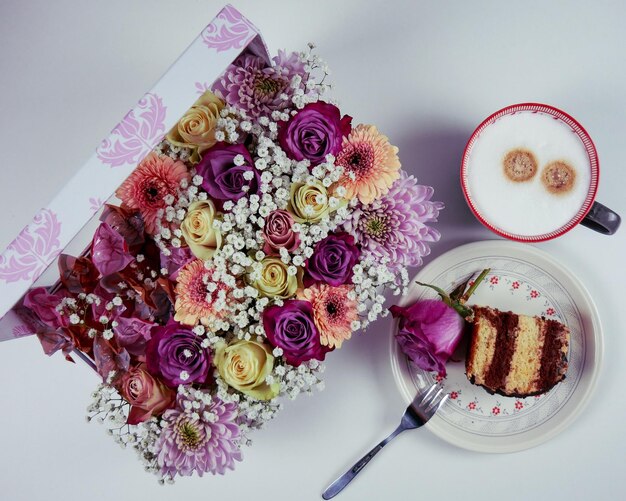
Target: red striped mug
x,y
591,214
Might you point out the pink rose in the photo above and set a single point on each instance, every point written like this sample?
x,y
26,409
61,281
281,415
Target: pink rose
x,y
428,333
146,395
278,232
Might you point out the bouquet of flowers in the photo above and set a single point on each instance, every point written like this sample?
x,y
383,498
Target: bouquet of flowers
x,y
249,244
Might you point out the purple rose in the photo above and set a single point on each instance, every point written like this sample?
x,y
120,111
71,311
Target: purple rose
x,y
332,260
314,132
278,232
428,333
174,354
291,328
221,178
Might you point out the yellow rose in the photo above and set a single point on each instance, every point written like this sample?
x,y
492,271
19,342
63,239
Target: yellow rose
x,y
244,365
197,227
274,281
196,128
308,202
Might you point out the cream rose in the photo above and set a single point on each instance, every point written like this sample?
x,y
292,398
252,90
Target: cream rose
x,y
197,227
273,281
308,202
197,126
244,365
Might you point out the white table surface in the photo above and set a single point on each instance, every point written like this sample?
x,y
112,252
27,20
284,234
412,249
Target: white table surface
x,y
426,73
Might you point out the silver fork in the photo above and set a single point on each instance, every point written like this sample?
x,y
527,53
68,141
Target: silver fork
x,y
417,413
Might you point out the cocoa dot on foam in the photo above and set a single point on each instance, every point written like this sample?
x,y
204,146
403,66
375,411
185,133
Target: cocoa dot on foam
x,y
519,165
558,177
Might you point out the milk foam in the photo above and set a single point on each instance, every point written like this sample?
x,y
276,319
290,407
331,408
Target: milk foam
x,y
526,208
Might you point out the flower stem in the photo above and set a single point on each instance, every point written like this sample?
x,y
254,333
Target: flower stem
x,y
476,283
459,303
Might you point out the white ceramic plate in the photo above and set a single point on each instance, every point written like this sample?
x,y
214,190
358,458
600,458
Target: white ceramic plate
x,y
527,281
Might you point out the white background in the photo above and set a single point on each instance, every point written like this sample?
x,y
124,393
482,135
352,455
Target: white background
x,y
426,73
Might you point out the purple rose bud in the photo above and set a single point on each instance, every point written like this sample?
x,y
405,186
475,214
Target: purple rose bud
x,y
428,333
44,306
132,334
291,328
221,178
177,258
278,232
174,354
314,132
109,359
109,251
127,223
332,260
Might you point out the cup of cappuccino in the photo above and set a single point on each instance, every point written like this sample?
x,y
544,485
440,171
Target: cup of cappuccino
x,y
530,173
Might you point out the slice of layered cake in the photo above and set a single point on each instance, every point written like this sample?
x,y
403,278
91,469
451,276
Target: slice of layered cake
x,y
516,355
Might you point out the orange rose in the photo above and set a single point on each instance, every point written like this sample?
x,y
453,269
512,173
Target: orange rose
x,y
147,396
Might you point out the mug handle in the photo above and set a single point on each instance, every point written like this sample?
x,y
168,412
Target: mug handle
x,y
602,219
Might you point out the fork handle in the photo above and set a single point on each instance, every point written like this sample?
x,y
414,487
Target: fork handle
x,y
338,485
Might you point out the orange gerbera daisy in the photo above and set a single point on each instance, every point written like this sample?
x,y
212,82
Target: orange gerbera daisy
x,y
196,299
370,163
333,312
145,189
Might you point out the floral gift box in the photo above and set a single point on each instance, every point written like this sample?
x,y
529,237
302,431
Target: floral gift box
x,y
250,229
38,245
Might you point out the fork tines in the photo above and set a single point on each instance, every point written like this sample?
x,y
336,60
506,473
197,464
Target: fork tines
x,y
430,401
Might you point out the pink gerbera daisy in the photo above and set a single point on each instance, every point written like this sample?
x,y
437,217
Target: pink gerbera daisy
x,y
333,312
151,182
370,163
199,297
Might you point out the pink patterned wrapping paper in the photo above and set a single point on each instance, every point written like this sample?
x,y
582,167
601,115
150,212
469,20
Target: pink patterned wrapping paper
x,y
38,244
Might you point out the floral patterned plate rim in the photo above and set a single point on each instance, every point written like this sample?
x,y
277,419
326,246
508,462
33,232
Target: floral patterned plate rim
x,y
528,281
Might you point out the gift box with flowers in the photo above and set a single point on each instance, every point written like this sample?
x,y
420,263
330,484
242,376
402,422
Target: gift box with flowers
x,y
250,243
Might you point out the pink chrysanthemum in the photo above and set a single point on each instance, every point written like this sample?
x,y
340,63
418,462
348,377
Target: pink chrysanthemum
x,y
394,228
370,163
249,84
145,189
333,312
196,299
203,439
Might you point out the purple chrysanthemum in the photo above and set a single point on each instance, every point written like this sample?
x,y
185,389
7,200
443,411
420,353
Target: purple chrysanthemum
x,y
249,84
201,439
395,226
